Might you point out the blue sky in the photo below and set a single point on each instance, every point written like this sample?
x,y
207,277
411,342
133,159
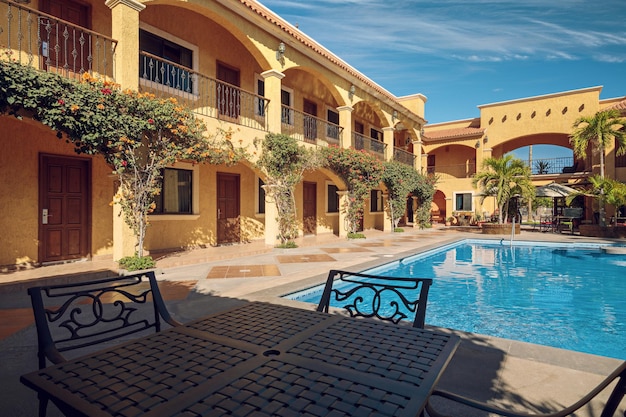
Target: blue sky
x,y
461,54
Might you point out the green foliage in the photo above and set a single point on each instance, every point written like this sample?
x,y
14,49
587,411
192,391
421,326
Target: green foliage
x,y
398,230
400,180
137,134
605,190
290,244
284,162
136,263
355,235
360,171
601,130
504,178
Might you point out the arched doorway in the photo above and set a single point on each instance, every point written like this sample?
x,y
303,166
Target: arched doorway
x,y
438,208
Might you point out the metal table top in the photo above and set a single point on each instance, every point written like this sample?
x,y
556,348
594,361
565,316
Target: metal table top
x,y
256,360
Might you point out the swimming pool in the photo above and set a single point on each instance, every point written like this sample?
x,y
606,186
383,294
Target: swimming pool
x,y
571,297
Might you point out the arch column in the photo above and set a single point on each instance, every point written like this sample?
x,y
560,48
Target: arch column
x,y
273,86
387,222
417,151
388,139
271,218
345,121
125,27
343,217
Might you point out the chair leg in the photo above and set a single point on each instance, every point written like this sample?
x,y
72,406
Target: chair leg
x,y
43,405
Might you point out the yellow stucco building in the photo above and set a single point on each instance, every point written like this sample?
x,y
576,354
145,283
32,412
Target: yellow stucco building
x,y
242,68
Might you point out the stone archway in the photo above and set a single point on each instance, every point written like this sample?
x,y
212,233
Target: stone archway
x,y
438,208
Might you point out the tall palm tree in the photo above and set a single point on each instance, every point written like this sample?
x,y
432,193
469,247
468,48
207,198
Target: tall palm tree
x,y
504,178
599,130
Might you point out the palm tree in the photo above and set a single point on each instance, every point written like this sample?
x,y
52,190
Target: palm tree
x,y
504,178
600,130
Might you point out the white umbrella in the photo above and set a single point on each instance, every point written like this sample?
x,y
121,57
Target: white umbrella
x,y
554,190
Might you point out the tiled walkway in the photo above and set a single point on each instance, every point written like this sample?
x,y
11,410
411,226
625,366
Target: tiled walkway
x,y
195,283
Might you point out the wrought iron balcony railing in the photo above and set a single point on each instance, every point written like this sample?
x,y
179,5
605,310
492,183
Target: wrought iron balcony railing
x,y
308,128
554,166
376,147
404,157
204,95
45,42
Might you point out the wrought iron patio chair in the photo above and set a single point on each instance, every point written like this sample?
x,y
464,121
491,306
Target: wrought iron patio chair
x,y
391,299
81,315
610,409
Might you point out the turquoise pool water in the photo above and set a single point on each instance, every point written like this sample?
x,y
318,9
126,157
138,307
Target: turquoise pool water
x,y
571,297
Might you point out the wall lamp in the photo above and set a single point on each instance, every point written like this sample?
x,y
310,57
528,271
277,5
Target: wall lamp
x,y
280,53
485,139
351,91
394,116
477,144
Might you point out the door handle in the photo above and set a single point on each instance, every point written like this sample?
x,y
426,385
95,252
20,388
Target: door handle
x,y
219,214
44,216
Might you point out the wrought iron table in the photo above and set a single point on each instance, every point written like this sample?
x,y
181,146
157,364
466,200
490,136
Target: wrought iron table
x,y
256,360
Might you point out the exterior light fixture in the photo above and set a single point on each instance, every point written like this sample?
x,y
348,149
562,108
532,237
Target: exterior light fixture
x,y
394,116
280,53
485,139
477,144
351,91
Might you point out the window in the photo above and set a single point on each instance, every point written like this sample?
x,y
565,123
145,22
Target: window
x,y
620,161
261,194
176,195
332,198
430,164
463,202
376,134
332,129
170,70
376,201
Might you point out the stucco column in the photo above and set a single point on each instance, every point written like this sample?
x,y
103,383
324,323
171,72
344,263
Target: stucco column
x,y
273,85
417,151
387,222
388,139
271,219
124,240
125,29
343,218
345,121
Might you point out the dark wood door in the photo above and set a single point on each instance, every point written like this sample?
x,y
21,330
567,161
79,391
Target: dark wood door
x,y
228,221
310,123
309,208
228,94
58,53
64,208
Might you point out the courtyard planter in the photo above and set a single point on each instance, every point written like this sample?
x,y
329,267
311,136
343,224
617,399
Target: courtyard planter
x,y
499,229
595,230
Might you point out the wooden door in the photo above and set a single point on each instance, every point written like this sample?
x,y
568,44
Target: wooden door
x,y
228,222
228,94
64,212
309,208
310,123
58,53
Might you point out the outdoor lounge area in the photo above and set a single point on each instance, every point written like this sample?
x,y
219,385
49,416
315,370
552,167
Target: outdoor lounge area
x,y
481,367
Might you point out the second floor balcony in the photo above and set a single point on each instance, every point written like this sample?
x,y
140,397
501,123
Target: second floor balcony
x,y
404,157
45,42
375,147
309,128
204,95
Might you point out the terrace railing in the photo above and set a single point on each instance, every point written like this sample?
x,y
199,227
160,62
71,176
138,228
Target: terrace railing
x,y
553,166
48,43
376,147
308,128
404,157
204,95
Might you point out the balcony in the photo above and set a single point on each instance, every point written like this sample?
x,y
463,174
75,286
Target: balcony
x,y
552,166
375,147
204,95
308,128
404,157
45,42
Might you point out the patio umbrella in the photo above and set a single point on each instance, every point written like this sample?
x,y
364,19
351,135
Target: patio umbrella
x,y
554,190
